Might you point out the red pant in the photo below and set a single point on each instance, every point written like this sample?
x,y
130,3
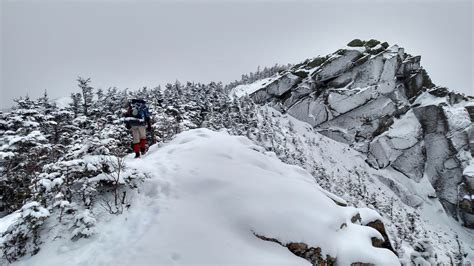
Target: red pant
x,y
139,138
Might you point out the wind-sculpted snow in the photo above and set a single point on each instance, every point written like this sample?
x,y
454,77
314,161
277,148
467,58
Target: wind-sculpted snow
x,y
209,197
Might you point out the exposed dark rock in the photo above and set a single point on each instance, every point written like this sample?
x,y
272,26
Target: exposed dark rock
x,y
304,251
335,66
455,98
356,218
378,225
313,254
427,83
439,91
466,204
414,86
439,150
280,86
470,110
410,65
412,162
261,96
384,124
432,119
376,50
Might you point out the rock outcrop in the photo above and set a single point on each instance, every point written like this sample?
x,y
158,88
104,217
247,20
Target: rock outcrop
x,y
381,101
304,251
314,254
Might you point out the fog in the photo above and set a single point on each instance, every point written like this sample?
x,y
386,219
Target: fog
x,y
46,45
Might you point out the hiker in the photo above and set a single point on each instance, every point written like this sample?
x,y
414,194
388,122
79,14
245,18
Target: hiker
x,y
136,119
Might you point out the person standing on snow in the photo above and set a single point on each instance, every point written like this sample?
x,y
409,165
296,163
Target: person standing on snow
x,y
137,119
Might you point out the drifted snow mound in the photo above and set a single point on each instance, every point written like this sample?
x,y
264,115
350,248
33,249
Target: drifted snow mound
x,y
210,196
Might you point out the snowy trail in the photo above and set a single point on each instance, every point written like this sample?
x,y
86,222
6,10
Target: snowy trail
x,y
208,194
222,205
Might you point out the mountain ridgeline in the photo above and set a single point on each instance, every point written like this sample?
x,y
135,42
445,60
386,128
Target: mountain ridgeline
x,y
381,101
364,126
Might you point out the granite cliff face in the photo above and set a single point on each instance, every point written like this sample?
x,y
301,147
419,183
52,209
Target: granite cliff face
x,y
381,101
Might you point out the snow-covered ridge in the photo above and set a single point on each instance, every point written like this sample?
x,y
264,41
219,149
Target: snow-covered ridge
x,y
210,194
389,145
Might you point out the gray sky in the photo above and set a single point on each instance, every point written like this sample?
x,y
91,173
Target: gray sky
x,y
47,44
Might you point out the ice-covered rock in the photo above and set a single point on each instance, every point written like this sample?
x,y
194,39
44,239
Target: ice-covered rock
x,y
380,100
412,162
338,63
282,85
344,100
310,111
439,150
400,142
409,65
363,122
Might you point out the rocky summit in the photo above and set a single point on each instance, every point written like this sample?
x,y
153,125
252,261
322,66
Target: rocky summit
x,y
380,100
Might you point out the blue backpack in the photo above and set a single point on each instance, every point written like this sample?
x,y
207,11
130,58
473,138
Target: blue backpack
x,y
139,109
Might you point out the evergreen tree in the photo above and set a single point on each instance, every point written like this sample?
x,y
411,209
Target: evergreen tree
x,y
76,103
87,94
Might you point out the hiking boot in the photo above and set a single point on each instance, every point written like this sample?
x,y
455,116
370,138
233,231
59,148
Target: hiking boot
x,y
137,155
143,151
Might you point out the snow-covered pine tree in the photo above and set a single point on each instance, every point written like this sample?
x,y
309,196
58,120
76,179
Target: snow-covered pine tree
x,y
76,105
87,94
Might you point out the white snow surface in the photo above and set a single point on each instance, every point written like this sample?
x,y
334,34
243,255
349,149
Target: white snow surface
x,y
339,161
469,170
7,221
426,99
247,89
209,194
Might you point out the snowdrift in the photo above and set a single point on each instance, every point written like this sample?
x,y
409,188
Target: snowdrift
x,y
210,196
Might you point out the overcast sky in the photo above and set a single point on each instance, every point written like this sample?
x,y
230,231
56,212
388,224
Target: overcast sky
x,y
45,45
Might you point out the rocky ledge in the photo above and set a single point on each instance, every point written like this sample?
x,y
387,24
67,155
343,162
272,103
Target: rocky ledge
x,y
381,101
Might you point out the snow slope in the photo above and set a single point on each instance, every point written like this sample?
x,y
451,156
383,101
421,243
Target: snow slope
x,y
210,193
344,171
